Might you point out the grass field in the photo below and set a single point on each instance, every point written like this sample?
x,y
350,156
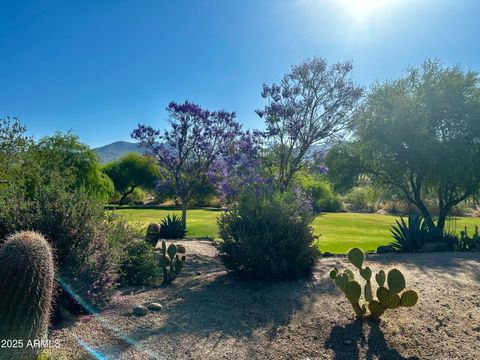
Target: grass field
x,y
339,231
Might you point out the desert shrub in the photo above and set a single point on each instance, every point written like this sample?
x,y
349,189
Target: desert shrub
x,y
140,265
320,191
362,198
172,228
268,235
411,235
79,232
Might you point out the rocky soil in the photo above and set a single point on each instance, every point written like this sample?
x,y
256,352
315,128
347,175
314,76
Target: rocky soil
x,y
207,314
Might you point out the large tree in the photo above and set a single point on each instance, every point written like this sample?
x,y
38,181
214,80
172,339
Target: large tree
x,y
65,155
420,135
190,148
13,147
312,106
130,172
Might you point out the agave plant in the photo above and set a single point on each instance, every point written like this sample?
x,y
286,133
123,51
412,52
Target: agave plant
x,y
409,237
172,228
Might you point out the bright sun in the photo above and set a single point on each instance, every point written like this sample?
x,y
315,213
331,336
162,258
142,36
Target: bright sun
x,y
363,11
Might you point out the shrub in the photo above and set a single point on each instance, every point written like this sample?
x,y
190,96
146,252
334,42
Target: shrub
x,y
389,296
320,191
268,235
80,234
172,228
409,237
140,266
362,198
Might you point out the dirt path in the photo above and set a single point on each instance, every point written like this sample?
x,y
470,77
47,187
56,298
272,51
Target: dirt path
x,y
208,315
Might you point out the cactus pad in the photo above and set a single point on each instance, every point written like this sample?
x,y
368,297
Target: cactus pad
x,y
356,257
395,281
350,274
366,273
383,294
376,309
380,277
333,274
342,280
353,291
409,298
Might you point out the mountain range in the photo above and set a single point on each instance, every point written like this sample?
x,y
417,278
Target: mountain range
x,y
116,150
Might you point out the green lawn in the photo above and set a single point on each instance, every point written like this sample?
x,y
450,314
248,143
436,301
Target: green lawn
x,y
339,232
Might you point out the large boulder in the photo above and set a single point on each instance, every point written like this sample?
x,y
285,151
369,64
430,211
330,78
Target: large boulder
x,y
434,246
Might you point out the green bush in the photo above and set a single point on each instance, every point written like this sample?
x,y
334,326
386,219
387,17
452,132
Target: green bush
x,y
86,249
172,228
321,193
140,265
268,235
362,198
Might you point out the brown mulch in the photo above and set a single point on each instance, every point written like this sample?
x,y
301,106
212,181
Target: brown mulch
x,y
209,315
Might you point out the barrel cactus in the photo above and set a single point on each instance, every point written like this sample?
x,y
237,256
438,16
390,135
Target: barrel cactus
x,y
153,233
170,262
26,288
390,293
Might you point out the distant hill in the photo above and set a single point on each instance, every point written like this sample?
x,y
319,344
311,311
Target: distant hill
x,y
116,150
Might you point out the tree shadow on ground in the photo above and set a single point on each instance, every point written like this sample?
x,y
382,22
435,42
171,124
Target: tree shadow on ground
x,y
440,264
351,341
216,302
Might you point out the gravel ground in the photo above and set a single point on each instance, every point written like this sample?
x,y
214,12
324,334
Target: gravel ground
x,y
208,315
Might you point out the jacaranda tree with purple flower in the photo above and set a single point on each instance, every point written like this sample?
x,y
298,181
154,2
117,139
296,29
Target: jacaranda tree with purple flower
x,y
197,143
312,105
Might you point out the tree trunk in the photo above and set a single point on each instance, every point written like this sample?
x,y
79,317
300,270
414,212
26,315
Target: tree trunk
x,y
442,217
426,215
125,194
184,213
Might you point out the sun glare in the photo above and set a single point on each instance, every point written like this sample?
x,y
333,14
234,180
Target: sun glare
x,y
362,11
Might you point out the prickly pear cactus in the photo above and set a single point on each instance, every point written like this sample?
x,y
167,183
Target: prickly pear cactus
x,y
153,233
170,262
391,293
26,287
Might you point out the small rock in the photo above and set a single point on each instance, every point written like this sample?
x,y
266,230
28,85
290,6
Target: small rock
x,y
155,306
198,273
385,249
140,310
181,249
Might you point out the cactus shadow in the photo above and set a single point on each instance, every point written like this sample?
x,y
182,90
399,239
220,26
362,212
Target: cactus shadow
x,y
361,339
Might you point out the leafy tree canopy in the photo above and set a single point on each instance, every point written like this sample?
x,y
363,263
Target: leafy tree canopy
x,y
420,134
130,172
64,154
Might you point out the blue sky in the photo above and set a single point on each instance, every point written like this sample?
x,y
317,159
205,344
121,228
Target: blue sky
x,y
100,67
